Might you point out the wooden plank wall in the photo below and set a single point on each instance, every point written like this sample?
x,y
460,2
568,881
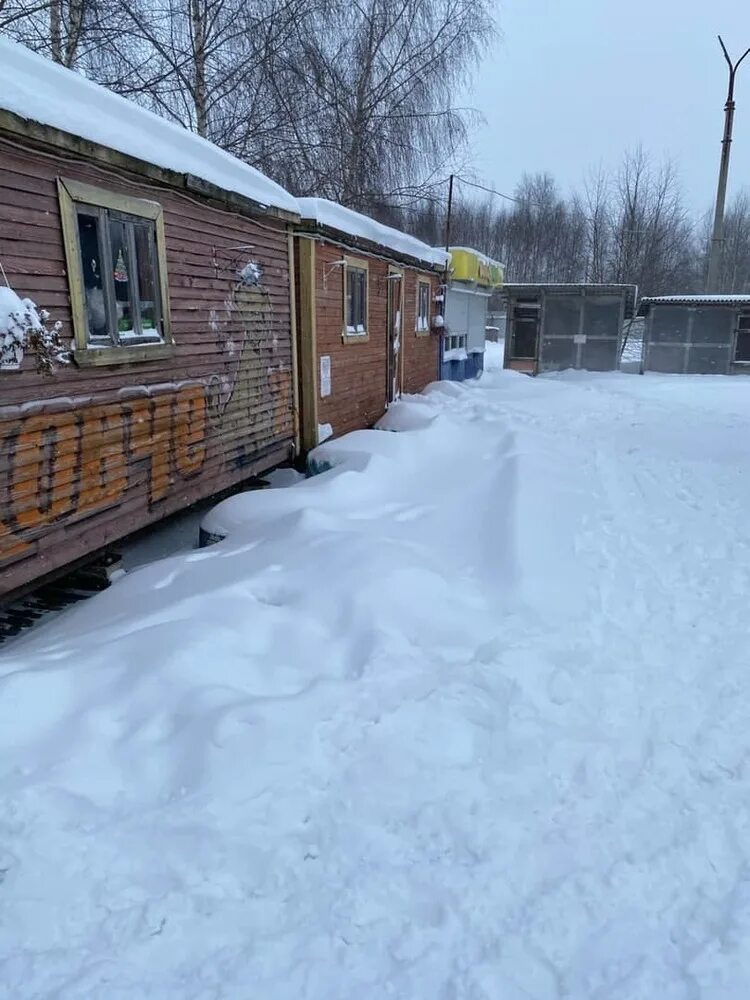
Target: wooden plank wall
x,y
89,455
358,369
421,352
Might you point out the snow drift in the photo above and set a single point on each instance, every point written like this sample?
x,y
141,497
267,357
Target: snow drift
x,y
466,717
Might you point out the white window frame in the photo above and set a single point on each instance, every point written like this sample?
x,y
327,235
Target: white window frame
x,y
455,342
422,320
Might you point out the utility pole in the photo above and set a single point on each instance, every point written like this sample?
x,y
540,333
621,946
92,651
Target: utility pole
x,y
717,237
448,216
446,275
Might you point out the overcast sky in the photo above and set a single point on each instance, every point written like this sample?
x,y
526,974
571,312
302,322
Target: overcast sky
x,y
572,83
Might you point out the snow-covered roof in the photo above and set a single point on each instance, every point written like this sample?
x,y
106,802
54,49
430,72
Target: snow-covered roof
x,y
489,261
39,90
351,223
697,300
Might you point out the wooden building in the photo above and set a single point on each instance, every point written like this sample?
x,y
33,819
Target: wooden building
x,y
168,263
551,327
696,334
473,279
365,310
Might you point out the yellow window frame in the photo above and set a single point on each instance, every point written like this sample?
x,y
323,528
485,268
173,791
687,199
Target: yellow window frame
x,y
70,194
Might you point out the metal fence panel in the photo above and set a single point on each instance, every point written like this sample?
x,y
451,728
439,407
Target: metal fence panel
x,y
669,324
711,359
601,355
689,339
713,326
562,315
558,353
561,325
666,358
601,316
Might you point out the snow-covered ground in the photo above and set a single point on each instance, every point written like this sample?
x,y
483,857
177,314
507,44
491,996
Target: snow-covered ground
x,y
469,720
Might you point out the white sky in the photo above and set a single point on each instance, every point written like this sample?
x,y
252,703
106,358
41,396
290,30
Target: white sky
x,y
572,83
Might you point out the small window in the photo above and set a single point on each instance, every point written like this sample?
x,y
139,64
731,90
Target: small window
x,y
742,350
355,299
455,342
423,306
116,264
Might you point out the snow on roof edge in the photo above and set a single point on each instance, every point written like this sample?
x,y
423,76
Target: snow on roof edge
x,y
346,220
729,299
37,89
490,261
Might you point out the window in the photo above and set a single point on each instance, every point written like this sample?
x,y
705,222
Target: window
x,y
114,247
454,342
742,350
423,306
355,300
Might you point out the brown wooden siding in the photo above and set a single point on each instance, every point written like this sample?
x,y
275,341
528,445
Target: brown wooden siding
x,y
421,353
89,455
358,369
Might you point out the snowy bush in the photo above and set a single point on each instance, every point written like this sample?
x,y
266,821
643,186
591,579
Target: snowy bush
x,y
24,327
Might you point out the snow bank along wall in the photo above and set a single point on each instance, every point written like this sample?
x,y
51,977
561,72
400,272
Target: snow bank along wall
x,y
365,309
551,327
697,334
192,396
473,277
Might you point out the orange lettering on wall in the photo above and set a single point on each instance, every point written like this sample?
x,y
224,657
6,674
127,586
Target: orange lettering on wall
x,y
44,469
150,428
281,389
10,546
104,476
190,429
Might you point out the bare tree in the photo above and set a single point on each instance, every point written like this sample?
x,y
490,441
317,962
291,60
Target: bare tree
x,y
734,274
598,224
652,235
67,31
368,86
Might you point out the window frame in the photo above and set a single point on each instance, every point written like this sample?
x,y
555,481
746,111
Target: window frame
x,y
77,198
352,336
422,331
739,332
462,345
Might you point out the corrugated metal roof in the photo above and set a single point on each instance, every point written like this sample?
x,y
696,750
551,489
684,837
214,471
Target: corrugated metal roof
x,y
546,285
697,300
561,287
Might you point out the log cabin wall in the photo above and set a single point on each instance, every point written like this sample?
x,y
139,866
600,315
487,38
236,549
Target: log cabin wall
x,y
421,349
88,455
356,396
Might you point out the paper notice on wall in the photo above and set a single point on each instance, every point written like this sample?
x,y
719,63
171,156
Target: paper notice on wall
x,y
325,376
579,338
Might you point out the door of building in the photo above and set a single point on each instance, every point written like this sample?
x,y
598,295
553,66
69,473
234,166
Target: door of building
x,y
524,330
393,334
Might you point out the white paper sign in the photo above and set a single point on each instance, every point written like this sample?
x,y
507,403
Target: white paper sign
x,y
579,338
325,375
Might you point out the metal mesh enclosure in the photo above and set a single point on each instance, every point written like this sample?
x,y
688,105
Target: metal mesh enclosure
x,y
554,326
581,331
685,340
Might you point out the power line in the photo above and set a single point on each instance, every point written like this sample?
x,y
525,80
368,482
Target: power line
x,y
508,197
